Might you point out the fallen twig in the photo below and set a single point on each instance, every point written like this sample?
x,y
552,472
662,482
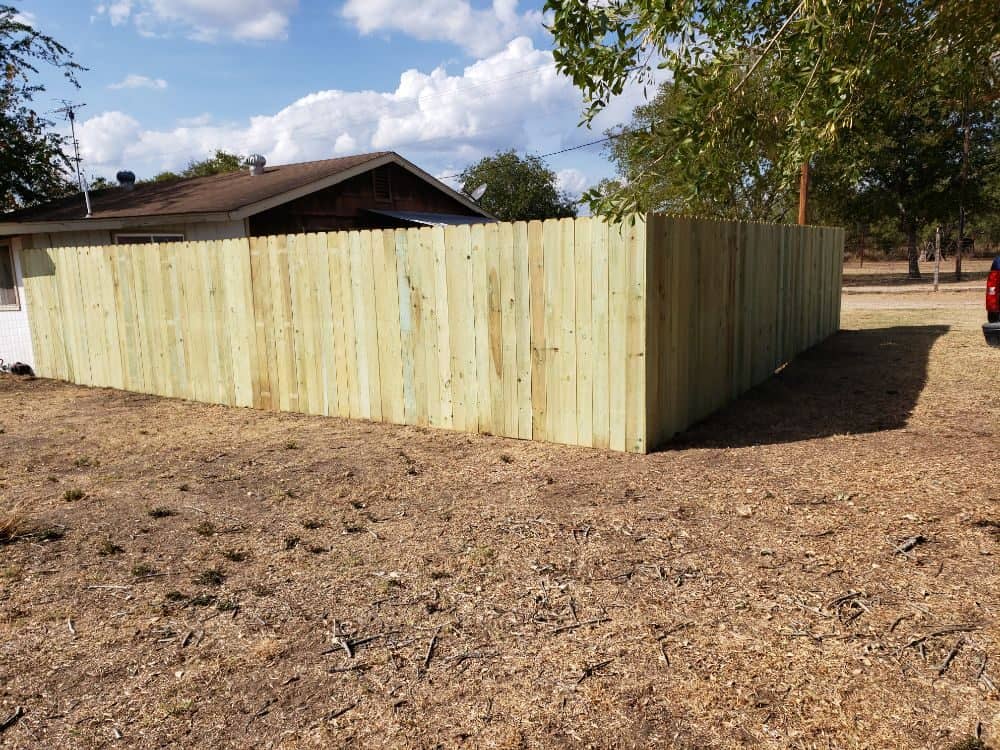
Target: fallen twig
x,y
898,620
11,720
575,625
430,647
590,669
961,628
340,712
842,599
351,668
951,656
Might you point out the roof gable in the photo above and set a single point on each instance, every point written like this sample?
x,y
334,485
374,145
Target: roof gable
x,y
234,195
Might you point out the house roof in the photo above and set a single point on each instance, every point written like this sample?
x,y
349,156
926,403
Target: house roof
x,y
428,218
233,195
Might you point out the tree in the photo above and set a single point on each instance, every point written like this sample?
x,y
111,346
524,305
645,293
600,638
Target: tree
x,y
738,180
517,188
905,164
33,163
222,162
825,63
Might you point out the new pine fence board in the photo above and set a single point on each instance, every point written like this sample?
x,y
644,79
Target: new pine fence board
x,y
616,336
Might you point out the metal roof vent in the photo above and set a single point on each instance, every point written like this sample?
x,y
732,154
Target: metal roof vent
x,y
126,179
256,163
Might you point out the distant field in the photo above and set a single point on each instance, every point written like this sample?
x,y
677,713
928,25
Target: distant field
x,y
814,567
896,273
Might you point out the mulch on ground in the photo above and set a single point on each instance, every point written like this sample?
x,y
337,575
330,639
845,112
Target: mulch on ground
x,y
814,567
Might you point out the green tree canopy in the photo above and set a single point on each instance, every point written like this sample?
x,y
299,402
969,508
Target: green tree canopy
x,y
738,180
906,165
824,62
33,163
220,163
517,188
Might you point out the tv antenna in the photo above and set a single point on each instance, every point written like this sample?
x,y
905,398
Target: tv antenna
x,y
68,109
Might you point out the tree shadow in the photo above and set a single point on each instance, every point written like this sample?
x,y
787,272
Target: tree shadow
x,y
854,382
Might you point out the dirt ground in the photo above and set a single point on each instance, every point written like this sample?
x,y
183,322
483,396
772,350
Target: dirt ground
x,y
814,567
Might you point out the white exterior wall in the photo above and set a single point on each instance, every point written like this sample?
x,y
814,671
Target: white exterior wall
x,y
15,337
195,231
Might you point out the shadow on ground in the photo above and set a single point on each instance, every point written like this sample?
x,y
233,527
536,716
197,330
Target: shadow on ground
x,y
903,279
854,382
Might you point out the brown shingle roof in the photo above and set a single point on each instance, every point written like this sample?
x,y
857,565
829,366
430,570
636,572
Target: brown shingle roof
x,y
194,195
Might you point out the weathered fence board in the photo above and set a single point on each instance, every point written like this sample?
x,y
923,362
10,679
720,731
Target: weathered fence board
x,y
574,331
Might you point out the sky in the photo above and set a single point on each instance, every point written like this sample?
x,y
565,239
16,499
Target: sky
x,y
441,82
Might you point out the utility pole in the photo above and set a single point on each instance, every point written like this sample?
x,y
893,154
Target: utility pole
x,y
804,194
69,110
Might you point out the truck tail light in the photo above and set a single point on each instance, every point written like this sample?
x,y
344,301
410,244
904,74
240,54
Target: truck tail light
x,y
993,292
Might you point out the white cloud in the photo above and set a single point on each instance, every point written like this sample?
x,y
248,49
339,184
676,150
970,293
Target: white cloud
x,y
572,181
204,20
479,32
28,19
441,121
133,81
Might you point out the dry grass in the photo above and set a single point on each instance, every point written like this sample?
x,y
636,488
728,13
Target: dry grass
x,y
12,524
814,567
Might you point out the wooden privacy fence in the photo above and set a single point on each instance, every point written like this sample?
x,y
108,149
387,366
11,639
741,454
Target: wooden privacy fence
x,y
573,331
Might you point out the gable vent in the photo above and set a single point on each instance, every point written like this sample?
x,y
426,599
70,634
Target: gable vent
x,y
382,185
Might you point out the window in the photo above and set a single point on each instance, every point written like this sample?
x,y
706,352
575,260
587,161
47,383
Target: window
x,y
8,286
146,239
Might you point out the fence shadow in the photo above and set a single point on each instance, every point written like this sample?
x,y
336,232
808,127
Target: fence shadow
x,y
854,382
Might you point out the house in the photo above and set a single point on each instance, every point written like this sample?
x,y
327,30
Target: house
x,y
366,191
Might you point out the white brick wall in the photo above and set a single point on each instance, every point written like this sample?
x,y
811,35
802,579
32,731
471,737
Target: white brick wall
x,y
15,337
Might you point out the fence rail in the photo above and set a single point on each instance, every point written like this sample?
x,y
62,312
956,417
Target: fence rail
x,y
572,331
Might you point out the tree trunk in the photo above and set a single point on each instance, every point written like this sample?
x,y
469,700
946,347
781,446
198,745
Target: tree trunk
x,y
912,254
961,196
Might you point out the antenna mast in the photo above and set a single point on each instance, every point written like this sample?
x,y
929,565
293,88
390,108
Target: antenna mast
x,y
69,110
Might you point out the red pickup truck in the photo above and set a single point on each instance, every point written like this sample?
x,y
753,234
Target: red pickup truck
x,y
991,328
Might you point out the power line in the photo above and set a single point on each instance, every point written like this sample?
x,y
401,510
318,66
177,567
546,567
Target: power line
x,y
560,151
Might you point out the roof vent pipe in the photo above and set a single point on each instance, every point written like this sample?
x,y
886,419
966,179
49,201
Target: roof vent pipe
x,y
256,163
126,179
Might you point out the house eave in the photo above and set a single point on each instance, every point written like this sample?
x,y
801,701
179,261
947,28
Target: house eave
x,y
10,229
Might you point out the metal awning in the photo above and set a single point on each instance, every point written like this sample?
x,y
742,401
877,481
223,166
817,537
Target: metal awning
x,y
432,220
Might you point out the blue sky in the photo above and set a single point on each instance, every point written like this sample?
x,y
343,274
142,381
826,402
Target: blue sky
x,y
443,82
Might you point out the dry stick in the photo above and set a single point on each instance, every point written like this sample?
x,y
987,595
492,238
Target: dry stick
x,y
340,712
951,656
576,625
11,720
430,647
898,620
962,628
589,670
843,599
